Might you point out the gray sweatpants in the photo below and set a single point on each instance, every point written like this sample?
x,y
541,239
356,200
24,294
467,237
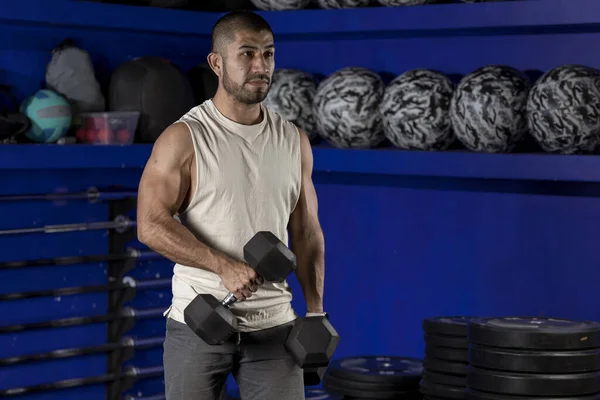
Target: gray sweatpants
x,y
260,364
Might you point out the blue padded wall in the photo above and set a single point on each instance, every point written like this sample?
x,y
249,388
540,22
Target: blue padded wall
x,y
408,234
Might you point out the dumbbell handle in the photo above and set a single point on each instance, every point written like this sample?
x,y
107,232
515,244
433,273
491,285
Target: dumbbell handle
x,y
229,300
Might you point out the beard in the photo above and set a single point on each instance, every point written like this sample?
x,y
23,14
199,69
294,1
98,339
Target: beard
x,y
240,93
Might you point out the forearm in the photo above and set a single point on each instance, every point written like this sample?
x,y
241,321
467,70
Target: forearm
x,y
174,241
309,247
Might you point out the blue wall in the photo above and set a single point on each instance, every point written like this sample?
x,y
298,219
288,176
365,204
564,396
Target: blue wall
x,y
408,234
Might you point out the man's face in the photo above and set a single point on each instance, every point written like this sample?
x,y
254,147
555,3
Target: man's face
x,y
248,66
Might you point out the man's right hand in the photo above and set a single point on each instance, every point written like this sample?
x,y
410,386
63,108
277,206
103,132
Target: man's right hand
x,y
240,279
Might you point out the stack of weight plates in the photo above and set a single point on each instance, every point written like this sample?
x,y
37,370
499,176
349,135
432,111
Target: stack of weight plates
x,y
446,357
318,394
309,394
374,377
531,357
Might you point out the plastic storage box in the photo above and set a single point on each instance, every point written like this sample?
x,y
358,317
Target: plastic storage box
x,y
117,127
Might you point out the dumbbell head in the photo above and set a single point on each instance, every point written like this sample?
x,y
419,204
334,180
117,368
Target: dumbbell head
x,y
314,375
269,257
312,343
209,319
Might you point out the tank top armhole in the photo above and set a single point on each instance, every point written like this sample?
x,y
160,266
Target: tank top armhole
x,y
194,196
297,145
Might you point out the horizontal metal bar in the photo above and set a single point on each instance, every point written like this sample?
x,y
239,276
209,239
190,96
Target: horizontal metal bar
x,y
120,223
130,373
73,260
127,283
126,313
81,351
92,194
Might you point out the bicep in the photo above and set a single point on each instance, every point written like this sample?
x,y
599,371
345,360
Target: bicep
x,y
166,178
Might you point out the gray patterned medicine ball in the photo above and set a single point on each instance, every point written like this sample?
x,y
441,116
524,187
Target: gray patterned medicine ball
x,y
488,109
346,108
401,3
342,3
291,95
563,109
280,5
415,110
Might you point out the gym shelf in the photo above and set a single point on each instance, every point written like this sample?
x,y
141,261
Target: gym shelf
x,y
75,156
489,18
458,19
383,162
102,16
459,164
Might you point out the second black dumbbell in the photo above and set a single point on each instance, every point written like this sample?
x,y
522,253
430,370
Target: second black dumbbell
x,y
211,319
312,342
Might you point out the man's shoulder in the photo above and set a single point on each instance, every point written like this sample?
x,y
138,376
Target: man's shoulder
x,y
195,114
175,138
280,123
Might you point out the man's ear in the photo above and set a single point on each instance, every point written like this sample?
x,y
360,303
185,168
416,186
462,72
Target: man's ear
x,y
216,63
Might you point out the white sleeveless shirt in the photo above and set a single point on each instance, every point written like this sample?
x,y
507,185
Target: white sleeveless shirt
x,y
248,180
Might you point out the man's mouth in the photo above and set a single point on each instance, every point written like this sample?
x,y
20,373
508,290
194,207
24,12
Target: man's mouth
x,y
258,82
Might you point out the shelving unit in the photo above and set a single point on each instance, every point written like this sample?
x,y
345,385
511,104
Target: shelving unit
x,y
484,19
453,164
501,17
102,16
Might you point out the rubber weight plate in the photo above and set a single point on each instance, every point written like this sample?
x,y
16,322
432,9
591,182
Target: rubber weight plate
x,y
309,394
433,398
365,390
363,395
366,386
455,342
533,384
431,389
318,394
542,361
445,379
446,326
445,367
471,394
534,333
445,353
401,371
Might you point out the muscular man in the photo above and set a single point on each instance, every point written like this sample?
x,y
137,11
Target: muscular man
x,y
229,168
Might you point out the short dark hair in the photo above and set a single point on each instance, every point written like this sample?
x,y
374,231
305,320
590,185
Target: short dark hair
x,y
225,28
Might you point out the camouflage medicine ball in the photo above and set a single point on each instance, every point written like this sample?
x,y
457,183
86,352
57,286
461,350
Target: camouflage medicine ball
x,y
415,110
488,109
291,95
563,109
346,108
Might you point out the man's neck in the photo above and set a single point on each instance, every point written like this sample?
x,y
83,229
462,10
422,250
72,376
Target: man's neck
x,y
241,113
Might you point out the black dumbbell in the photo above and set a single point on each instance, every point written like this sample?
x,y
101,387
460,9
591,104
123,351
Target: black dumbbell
x,y
311,343
212,320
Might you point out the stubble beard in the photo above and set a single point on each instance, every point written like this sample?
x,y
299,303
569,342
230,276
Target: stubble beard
x,y
240,93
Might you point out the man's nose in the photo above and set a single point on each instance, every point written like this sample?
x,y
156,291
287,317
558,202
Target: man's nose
x,y
259,65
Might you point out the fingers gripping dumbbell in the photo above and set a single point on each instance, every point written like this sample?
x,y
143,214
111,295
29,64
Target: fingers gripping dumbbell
x,y
311,343
211,319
